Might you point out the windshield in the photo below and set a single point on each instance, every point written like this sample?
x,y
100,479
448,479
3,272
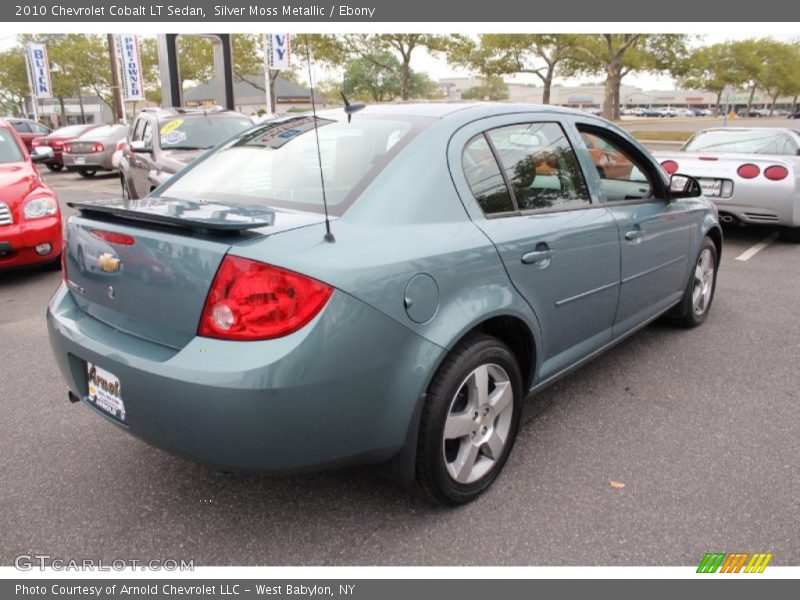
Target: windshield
x,y
71,130
276,164
9,149
199,132
104,131
744,141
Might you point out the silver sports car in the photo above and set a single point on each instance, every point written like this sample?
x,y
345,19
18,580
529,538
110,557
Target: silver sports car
x,y
752,174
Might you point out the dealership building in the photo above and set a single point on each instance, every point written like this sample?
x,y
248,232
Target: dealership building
x,y
591,96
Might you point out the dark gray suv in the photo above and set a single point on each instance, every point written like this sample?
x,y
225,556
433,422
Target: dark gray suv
x,y
161,141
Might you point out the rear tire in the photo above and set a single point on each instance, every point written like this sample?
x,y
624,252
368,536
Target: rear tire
x,y
55,167
87,172
699,294
469,422
790,234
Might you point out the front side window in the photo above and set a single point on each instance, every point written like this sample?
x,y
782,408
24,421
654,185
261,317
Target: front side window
x,y
622,175
21,126
147,135
540,166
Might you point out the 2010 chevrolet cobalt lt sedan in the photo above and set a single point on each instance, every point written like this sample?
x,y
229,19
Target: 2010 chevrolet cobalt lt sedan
x,y
478,253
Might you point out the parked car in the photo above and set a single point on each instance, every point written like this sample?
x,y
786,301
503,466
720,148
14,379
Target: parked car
x,y
794,115
30,218
94,150
752,174
28,130
705,112
163,141
56,140
450,282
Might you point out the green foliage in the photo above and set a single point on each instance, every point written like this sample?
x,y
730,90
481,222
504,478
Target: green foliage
x,y
493,88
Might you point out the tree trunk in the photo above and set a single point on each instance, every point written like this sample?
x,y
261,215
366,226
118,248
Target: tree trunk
x,y
794,104
617,86
406,76
80,103
719,103
750,100
611,95
772,106
63,114
548,84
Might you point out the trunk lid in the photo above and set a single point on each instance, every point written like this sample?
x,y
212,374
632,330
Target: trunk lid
x,y
145,268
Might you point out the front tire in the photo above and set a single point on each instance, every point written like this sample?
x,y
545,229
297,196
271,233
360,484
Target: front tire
x,y
469,422
699,294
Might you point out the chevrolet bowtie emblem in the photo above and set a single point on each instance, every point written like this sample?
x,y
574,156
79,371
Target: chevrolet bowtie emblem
x,y
108,263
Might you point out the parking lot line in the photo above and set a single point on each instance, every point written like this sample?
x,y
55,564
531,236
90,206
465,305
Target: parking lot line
x,y
755,249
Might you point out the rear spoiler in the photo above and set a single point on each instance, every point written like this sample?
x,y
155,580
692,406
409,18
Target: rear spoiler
x,y
176,214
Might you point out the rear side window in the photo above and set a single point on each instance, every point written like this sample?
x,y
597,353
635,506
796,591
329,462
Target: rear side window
x,y
540,166
484,177
9,149
39,128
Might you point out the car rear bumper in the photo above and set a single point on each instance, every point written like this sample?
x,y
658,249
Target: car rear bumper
x,y
19,240
762,211
91,161
341,390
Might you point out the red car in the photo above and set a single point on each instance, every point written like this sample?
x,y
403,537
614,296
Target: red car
x,y
28,130
30,219
56,141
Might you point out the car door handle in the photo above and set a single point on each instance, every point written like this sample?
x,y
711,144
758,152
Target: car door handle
x,y
634,235
540,257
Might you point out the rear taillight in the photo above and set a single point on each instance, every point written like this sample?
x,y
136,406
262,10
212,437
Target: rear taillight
x,y
98,148
67,148
670,166
776,172
121,145
748,171
37,142
249,300
112,237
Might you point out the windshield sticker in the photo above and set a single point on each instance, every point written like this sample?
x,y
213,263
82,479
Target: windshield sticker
x,y
170,126
173,137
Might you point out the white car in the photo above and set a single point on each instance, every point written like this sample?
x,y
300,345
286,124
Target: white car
x,y
752,174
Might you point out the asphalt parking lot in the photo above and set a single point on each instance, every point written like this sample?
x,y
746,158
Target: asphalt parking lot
x,y
700,425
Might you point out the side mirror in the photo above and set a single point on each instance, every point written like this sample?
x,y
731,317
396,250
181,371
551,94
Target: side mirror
x,y
139,147
42,154
684,186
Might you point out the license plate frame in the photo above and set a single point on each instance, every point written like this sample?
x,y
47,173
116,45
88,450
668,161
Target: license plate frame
x,y
105,392
80,160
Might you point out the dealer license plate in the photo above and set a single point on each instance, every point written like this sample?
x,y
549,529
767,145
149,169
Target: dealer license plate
x,y
105,391
80,160
711,187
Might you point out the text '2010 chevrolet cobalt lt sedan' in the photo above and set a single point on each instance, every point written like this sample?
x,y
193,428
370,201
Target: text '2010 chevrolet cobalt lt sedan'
x,y
479,252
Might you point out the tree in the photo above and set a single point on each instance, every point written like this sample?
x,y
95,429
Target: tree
x,y
747,58
14,87
509,54
617,54
493,88
379,78
711,68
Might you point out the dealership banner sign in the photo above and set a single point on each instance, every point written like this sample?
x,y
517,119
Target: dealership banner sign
x,y
279,51
132,77
39,70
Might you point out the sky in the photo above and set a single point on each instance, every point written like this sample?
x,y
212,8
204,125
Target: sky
x,y
437,67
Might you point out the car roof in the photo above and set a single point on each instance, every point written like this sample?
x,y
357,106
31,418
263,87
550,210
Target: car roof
x,y
465,110
174,112
746,129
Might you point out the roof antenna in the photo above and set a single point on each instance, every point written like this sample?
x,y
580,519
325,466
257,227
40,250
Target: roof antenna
x,y
350,108
328,235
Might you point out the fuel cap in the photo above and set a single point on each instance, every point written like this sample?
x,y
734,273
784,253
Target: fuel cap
x,y
421,299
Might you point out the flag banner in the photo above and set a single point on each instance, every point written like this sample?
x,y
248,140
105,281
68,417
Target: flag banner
x,y
39,70
132,77
279,51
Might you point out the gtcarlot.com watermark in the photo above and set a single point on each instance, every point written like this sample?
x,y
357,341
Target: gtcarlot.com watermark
x,y
30,562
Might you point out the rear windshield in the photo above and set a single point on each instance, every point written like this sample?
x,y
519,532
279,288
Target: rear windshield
x,y
9,149
71,130
199,132
276,164
743,141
